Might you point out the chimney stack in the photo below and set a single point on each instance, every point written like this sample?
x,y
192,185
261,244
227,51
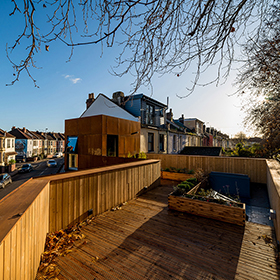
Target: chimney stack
x,y
118,98
13,127
90,100
181,120
169,115
24,129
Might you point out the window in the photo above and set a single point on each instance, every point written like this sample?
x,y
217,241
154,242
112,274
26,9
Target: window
x,y
13,143
71,145
150,142
161,142
180,143
150,110
8,143
112,145
72,162
174,142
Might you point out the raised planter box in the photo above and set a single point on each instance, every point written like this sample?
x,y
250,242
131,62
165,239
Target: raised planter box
x,y
175,176
225,213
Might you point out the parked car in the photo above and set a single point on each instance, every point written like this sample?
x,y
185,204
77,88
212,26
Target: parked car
x,y
57,155
26,168
20,158
51,163
5,179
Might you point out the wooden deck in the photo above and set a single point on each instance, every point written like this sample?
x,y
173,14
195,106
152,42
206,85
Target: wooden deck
x,y
145,240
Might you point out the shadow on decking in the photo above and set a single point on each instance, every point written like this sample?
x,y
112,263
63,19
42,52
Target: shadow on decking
x,y
181,246
145,240
175,245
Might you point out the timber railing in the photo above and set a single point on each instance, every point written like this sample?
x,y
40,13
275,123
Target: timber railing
x,y
273,188
255,168
53,202
259,170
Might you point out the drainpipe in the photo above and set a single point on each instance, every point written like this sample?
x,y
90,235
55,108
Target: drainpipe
x,y
2,149
167,139
178,143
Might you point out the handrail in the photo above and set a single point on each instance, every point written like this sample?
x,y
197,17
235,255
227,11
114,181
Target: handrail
x,y
42,205
39,206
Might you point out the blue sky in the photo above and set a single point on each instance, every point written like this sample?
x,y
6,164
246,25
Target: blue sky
x,y
64,87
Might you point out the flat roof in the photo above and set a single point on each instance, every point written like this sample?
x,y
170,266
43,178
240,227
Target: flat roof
x,y
145,240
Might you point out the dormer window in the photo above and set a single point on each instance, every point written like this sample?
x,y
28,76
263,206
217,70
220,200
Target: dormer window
x,y
150,112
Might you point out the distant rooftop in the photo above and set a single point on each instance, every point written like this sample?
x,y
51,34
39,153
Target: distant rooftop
x,y
141,95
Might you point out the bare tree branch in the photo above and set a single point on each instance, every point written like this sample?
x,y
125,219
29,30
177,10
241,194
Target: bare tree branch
x,y
259,82
157,36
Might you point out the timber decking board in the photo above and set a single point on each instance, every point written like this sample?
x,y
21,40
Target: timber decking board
x,y
145,240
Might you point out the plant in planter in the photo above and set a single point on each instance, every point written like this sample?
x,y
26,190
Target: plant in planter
x,y
12,165
201,200
177,174
215,197
185,186
12,161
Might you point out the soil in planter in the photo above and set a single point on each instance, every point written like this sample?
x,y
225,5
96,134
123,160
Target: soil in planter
x,y
204,193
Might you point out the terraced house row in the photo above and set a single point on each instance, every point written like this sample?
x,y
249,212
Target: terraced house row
x,y
22,144
126,126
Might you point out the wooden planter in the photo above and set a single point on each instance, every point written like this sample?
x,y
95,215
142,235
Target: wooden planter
x,y
10,168
175,176
225,213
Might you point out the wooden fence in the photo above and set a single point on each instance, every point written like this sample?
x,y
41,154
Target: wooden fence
x,y
253,167
24,223
273,188
97,190
53,202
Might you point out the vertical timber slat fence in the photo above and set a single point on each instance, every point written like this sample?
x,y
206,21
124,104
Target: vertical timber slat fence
x,y
253,167
53,202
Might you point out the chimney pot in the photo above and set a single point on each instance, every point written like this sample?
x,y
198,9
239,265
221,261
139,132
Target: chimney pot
x,y
90,100
169,115
181,120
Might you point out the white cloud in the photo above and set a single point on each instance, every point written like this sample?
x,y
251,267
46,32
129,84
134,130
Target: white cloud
x,y
75,80
72,79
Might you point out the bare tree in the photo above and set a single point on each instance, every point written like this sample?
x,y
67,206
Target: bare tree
x,y
259,82
240,136
157,36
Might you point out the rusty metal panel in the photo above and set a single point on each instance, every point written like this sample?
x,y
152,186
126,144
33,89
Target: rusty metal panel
x,y
90,125
112,125
71,127
122,150
125,127
94,144
104,145
135,126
